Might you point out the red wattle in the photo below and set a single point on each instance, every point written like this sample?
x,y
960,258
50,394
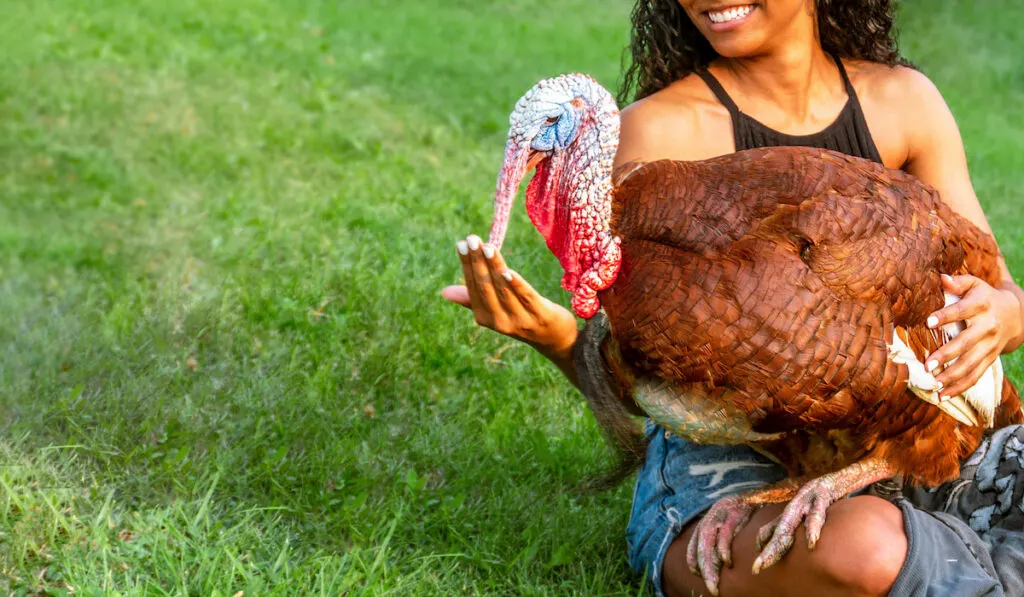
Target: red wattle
x,y
551,217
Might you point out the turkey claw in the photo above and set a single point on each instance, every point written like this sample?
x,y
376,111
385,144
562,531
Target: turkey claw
x,y
711,543
777,537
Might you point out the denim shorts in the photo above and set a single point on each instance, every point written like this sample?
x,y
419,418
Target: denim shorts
x,y
965,538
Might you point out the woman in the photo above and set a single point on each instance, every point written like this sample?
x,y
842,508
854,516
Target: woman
x,y
716,76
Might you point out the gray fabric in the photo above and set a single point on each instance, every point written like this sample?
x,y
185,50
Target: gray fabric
x,y
1007,550
990,492
944,558
967,536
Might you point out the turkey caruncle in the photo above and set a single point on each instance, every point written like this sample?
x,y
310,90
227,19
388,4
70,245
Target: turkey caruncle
x,y
771,297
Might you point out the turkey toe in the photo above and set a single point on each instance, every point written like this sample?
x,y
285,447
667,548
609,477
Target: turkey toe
x,y
710,545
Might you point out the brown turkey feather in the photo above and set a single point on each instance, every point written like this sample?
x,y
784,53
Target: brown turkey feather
x,y
770,281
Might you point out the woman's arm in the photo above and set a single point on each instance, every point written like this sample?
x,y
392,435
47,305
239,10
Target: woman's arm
x,y
994,315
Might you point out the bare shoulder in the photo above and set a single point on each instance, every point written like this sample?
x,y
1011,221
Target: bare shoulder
x,y
681,122
902,106
900,86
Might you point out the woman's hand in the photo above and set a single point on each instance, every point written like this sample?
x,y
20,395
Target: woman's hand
x,y
993,318
504,302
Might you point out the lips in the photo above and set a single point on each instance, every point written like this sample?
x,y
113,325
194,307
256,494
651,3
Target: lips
x,y
729,16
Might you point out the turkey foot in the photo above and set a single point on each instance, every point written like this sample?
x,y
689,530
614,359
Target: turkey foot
x,y
710,545
809,506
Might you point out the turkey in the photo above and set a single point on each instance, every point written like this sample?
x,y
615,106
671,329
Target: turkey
x,y
771,297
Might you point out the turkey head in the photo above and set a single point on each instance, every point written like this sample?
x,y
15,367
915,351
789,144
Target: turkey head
x,y
568,129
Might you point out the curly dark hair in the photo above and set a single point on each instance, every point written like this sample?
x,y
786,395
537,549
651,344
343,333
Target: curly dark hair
x,y
666,46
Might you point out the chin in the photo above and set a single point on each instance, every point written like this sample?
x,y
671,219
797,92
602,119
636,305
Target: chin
x,y
738,44
740,47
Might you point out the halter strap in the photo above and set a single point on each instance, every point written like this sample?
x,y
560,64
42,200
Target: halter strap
x,y
720,93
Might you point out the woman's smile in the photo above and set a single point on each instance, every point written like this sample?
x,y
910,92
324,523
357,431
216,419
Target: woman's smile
x,y
729,17
746,28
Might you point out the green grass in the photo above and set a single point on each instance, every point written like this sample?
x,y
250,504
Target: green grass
x,y
224,363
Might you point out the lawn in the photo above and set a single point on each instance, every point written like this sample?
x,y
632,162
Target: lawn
x,y
224,363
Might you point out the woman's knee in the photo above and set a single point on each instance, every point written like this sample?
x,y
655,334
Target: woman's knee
x,y
860,553
863,545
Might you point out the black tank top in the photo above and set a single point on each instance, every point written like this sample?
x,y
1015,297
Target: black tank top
x,y
847,134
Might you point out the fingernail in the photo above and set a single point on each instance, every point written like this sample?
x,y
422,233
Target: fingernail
x,y
933,321
474,243
947,277
488,251
507,275
462,247
931,366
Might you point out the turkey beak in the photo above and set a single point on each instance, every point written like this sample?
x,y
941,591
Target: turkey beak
x,y
519,160
535,158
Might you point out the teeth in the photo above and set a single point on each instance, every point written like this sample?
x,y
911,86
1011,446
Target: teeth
x,y
730,14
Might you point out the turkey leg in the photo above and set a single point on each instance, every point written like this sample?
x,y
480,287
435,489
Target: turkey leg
x,y
809,506
710,545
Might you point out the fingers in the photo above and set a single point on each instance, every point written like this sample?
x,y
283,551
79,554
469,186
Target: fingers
x,y
499,297
974,349
476,303
962,310
511,289
482,275
968,356
529,298
458,295
490,282
503,301
959,285
951,350
966,372
498,273
485,288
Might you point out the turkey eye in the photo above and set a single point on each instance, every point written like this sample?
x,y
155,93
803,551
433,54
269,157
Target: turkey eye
x,y
805,249
552,119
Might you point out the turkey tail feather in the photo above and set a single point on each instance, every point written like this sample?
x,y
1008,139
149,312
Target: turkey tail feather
x,y
1009,411
617,423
